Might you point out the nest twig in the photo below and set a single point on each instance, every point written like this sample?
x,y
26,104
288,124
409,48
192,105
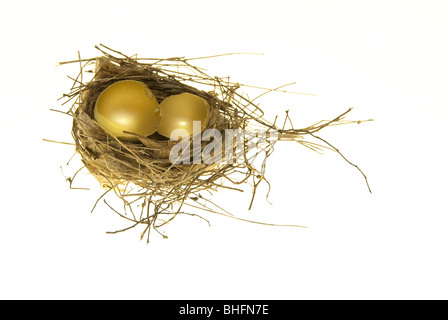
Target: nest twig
x,y
140,173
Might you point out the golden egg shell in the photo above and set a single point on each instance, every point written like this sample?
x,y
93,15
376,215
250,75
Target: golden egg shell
x,y
180,110
127,105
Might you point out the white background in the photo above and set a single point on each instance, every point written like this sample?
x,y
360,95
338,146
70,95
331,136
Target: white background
x,y
388,59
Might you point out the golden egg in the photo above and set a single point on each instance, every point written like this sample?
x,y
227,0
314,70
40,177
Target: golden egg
x,y
180,110
128,105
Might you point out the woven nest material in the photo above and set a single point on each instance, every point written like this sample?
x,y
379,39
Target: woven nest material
x,y
142,171
147,163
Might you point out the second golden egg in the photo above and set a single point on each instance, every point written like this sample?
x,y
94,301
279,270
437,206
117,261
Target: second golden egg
x,y
180,110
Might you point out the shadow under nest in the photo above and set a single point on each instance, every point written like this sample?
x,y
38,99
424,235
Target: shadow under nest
x,y
152,188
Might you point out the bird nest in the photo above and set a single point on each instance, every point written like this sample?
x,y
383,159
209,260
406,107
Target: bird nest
x,y
142,174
